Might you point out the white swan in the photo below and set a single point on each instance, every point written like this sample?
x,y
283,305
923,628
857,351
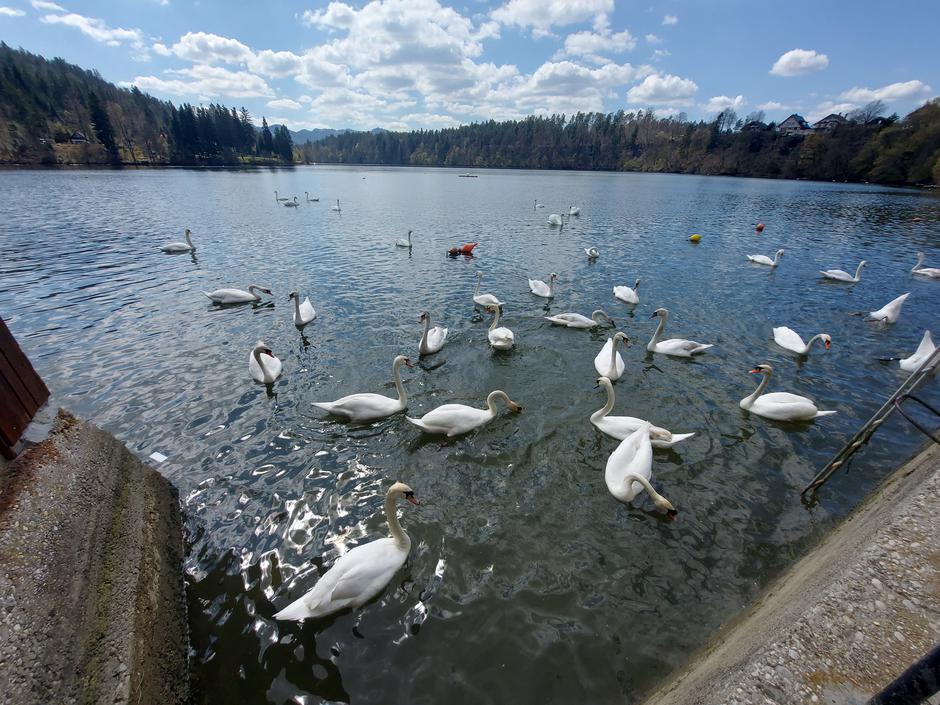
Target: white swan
x,y
764,259
779,406
924,350
278,198
538,205
187,246
360,574
608,362
500,337
592,252
574,210
890,311
576,320
315,199
931,272
432,339
402,242
336,207
678,347
540,288
555,219
840,275
303,312
455,419
484,299
263,369
626,294
368,406
237,296
629,469
620,427
789,339
292,204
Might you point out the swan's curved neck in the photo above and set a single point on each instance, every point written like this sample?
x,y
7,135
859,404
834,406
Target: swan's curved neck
x,y
920,261
748,401
189,240
297,307
858,272
809,344
251,290
551,286
264,370
479,281
495,319
396,375
633,477
613,354
391,516
424,335
777,259
659,331
491,401
608,407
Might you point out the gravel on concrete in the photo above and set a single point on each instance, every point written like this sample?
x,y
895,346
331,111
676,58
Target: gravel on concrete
x,y
92,606
846,620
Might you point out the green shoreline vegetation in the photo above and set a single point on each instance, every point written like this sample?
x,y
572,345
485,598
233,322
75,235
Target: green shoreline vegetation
x,y
56,113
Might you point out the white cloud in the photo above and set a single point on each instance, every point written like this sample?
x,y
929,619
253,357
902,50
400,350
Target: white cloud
x,y
205,48
663,89
723,102
670,20
908,90
773,105
660,54
593,44
828,107
799,61
96,29
284,104
46,6
542,15
205,82
10,12
275,63
653,39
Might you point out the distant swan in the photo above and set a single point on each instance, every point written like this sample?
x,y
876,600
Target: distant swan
x,y
432,339
629,469
484,299
890,311
336,207
789,339
843,276
555,219
455,419
368,406
187,246
293,204
315,199
626,294
360,574
677,347
779,406
538,205
402,242
237,296
574,210
500,337
576,320
591,252
764,259
303,312
540,288
279,198
931,272
608,361
263,366
620,427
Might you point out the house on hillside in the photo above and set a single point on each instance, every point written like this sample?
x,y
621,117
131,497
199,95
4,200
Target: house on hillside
x,y
754,126
78,137
794,125
830,123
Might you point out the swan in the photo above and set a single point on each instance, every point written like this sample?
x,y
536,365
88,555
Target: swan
x,y
576,320
540,288
620,427
432,339
303,312
538,205
336,207
187,246
779,406
574,210
368,406
674,346
264,370
293,204
764,259
591,252
890,311
402,242
931,272
924,351
843,276
360,574
484,299
500,337
626,294
237,296
315,199
608,362
278,198
789,339
455,419
555,219
630,467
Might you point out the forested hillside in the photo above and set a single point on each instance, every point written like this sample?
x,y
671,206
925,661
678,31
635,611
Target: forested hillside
x,y
43,104
878,150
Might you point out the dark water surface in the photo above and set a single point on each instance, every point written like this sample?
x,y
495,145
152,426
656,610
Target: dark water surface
x,y
528,582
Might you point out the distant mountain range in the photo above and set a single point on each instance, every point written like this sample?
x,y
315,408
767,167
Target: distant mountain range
x,y
321,133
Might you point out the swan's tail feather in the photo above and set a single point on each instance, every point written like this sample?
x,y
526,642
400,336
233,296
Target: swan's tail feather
x,y
325,405
417,422
825,413
208,296
677,437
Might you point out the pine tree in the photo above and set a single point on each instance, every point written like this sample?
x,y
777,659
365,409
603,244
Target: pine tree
x,y
102,124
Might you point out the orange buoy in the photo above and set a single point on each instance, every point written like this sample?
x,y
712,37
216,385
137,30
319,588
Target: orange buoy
x,y
759,228
462,250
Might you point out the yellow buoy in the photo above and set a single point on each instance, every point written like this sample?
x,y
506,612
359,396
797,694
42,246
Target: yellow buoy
x,y
695,238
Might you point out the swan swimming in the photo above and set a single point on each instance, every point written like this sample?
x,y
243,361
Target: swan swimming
x,y
620,427
840,275
368,406
626,294
608,362
931,272
629,469
890,311
540,288
303,312
789,339
592,252
574,210
764,259
500,337
336,207
432,339
264,369
279,198
538,205
237,296
360,574
292,204
555,219
187,246
402,242
455,419
924,351
315,199
779,406
484,299
576,320
677,347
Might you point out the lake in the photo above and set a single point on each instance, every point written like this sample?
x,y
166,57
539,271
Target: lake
x,y
527,581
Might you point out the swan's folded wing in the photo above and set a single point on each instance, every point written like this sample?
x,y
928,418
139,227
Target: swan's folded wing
x,y
788,338
784,398
366,570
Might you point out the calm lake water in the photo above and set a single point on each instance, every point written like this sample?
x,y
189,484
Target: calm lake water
x,y
527,582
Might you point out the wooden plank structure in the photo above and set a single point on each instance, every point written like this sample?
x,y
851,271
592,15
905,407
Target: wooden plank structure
x,y
22,392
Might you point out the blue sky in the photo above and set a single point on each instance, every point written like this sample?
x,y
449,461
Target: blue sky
x,y
404,64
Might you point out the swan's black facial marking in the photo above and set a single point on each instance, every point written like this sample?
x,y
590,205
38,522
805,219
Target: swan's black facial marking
x,y
410,496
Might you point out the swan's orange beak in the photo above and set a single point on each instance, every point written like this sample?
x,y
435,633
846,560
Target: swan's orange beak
x,y
413,500
409,363
755,371
827,344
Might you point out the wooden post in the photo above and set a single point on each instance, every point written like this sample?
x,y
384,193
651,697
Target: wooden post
x,y
22,392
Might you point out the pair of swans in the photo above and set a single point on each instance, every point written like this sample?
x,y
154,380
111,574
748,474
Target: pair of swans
x,y
484,299
620,427
187,246
592,252
890,312
608,362
263,365
540,288
576,320
402,242
500,337
764,259
779,406
237,296
360,574
456,419
628,295
367,406
432,339
677,347
841,275
920,269
630,467
315,199
303,312
292,204
789,339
